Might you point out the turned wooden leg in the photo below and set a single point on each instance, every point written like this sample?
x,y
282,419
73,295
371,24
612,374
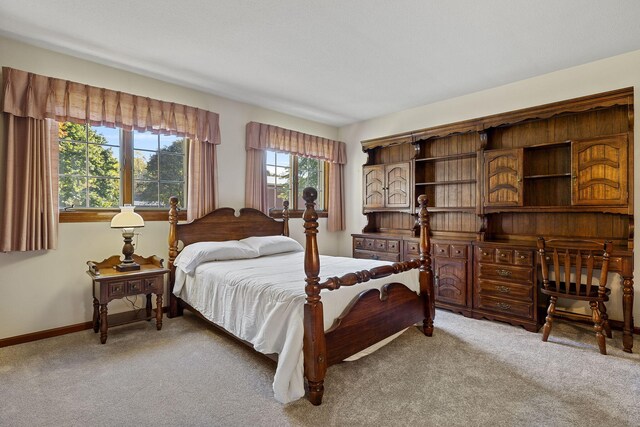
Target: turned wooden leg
x,y
148,305
175,308
316,390
103,323
96,316
549,319
605,320
597,326
427,327
627,309
159,312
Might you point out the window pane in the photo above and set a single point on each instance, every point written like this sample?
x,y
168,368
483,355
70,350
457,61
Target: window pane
x,y
271,157
145,165
104,192
104,135
311,174
72,192
283,159
73,158
171,189
282,175
171,167
72,131
172,143
271,174
145,193
145,141
104,161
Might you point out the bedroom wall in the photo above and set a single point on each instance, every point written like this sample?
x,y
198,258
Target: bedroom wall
x,y
600,76
49,289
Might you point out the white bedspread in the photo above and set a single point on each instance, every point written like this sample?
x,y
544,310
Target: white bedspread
x,y
261,300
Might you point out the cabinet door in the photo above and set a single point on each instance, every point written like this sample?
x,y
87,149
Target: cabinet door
x,y
397,178
503,177
373,183
450,280
599,171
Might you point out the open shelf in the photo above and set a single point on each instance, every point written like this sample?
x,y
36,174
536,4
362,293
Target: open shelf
x,y
451,209
551,175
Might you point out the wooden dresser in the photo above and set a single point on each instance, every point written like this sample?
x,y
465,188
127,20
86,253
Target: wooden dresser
x,y
496,183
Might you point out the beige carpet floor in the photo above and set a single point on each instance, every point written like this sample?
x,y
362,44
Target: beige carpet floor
x,y
470,373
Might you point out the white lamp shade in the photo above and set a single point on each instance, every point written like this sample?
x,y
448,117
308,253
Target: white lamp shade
x,y
127,218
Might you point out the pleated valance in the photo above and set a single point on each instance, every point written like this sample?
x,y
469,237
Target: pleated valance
x,y
261,136
40,97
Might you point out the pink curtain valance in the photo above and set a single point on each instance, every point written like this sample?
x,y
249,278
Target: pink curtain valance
x,y
261,136
40,97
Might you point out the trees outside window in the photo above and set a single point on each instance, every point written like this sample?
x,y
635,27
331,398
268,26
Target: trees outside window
x,y
289,175
101,167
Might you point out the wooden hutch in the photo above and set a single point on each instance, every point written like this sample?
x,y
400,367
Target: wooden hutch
x,y
495,184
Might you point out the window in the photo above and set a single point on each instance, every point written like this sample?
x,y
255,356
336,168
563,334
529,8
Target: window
x,y
101,168
289,175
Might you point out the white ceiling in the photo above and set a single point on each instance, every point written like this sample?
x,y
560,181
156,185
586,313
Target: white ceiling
x,y
333,61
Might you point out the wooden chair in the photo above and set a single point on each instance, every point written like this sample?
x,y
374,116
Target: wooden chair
x,y
580,257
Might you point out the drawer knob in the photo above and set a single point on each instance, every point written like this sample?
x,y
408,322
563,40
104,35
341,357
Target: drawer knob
x,y
522,257
485,254
503,255
503,289
503,273
457,252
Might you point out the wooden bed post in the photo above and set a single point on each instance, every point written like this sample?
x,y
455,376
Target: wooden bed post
x,y
285,218
426,273
315,354
174,307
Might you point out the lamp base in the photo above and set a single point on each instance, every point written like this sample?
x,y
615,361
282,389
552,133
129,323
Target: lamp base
x,y
132,266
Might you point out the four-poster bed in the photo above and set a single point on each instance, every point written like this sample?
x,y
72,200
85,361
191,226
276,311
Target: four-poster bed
x,y
371,316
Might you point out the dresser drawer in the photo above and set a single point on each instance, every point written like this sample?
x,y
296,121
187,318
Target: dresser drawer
x,y
393,246
440,249
369,244
485,254
412,248
522,257
380,245
504,256
505,306
505,289
383,256
358,243
457,251
505,272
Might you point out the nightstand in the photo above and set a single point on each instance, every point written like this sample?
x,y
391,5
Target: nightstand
x,y
110,284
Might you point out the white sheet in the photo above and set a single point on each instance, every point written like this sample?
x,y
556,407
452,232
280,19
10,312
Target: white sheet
x,y
261,300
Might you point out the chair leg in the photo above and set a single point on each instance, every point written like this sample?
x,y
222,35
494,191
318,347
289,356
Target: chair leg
x,y
605,319
597,325
549,320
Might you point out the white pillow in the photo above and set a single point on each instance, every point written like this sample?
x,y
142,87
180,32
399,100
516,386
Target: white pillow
x,y
269,245
196,253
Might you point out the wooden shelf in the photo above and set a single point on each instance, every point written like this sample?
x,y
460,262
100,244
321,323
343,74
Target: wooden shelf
x,y
569,208
551,175
447,157
460,181
452,209
546,145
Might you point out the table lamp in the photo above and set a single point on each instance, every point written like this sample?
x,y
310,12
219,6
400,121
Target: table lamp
x,y
127,219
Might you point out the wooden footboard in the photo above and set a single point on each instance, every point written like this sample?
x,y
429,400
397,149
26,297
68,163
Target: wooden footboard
x,y
373,316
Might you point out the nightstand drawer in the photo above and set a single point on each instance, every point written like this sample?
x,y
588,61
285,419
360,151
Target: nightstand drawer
x,y
117,289
135,287
149,285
